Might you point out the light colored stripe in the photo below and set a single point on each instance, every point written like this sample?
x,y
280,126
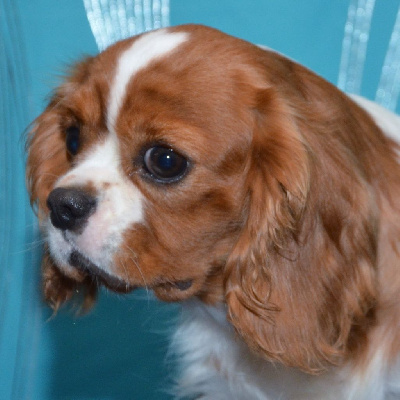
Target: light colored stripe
x,y
142,52
389,85
354,47
94,16
138,12
156,10
165,13
122,15
148,23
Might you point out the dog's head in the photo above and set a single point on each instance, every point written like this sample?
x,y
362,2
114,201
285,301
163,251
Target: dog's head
x,y
196,164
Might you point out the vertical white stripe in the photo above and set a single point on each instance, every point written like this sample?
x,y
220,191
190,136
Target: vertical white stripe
x,y
164,12
94,16
389,85
143,51
354,47
156,14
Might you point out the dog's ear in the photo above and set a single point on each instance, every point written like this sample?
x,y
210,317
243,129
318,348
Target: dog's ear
x,y
47,156
300,281
59,289
47,160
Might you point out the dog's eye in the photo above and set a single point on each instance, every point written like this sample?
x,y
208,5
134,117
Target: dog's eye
x,y
164,164
72,140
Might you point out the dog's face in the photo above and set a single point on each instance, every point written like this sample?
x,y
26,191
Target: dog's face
x,y
192,163
141,161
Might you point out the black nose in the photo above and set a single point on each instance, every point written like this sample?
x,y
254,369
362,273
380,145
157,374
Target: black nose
x,y
70,208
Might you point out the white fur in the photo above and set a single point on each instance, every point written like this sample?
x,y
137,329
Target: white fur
x,y
143,51
119,205
216,364
386,120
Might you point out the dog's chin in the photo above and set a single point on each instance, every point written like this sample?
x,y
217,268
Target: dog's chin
x,y
88,269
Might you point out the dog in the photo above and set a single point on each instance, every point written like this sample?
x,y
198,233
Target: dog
x,y
233,180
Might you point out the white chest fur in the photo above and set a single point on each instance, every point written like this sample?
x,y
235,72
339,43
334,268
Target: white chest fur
x,y
216,365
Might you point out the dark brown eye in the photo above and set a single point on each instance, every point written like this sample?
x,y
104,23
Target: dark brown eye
x,y
164,164
72,139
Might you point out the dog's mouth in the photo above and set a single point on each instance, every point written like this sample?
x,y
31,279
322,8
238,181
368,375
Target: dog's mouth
x,y
87,267
180,285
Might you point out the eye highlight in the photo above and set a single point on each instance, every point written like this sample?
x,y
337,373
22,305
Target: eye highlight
x,y
164,164
72,139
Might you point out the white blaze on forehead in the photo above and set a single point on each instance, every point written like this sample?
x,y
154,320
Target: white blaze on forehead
x,y
143,51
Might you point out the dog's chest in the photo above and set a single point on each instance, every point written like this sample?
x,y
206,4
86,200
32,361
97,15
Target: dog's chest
x,y
215,364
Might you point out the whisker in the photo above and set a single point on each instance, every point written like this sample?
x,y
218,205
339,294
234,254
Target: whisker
x,y
28,247
49,174
134,260
126,276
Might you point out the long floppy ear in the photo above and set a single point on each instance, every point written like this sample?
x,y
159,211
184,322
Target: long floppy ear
x,y
58,288
300,281
47,160
47,157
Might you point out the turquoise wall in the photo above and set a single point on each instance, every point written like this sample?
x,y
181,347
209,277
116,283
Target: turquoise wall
x,y
118,351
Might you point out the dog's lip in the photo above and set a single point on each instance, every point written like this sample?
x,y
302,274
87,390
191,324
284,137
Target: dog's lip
x,y
182,285
88,268
83,264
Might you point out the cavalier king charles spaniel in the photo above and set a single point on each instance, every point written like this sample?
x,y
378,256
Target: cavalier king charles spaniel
x,y
239,183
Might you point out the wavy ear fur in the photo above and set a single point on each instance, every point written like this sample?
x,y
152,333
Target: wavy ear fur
x,y
47,161
58,288
47,156
300,281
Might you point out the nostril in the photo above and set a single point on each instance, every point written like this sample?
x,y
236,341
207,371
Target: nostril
x,y
70,207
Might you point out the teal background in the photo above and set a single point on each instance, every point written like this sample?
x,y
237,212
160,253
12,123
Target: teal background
x,y
119,350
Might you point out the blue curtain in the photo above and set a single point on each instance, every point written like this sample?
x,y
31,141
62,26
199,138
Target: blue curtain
x,y
117,351
19,319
